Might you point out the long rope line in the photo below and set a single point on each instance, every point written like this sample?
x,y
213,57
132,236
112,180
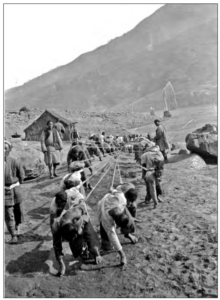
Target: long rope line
x,y
120,178
96,172
82,182
97,183
37,226
113,177
103,177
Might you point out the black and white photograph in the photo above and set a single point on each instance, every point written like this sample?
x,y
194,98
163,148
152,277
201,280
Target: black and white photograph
x,y
110,135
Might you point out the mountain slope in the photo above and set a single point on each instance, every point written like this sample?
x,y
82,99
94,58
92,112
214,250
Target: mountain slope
x,y
176,43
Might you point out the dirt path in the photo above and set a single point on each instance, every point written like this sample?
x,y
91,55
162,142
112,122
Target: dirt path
x,y
176,255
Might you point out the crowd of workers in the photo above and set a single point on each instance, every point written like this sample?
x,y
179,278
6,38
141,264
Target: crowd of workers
x,y
69,217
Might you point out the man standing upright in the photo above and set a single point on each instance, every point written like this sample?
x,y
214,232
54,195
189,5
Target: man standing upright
x,y
161,139
152,180
14,176
74,136
60,128
51,145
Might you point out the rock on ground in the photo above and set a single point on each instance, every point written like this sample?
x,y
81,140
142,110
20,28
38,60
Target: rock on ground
x,y
32,158
188,161
204,142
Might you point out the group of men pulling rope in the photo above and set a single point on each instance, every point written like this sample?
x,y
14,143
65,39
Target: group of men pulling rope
x,y
70,220
69,214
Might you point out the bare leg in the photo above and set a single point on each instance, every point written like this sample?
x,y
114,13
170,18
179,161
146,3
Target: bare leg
x,y
165,155
91,171
50,171
54,171
62,267
10,223
122,257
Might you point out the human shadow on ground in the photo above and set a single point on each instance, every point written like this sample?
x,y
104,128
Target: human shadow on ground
x,y
39,213
50,194
30,236
47,183
45,176
30,262
145,204
99,268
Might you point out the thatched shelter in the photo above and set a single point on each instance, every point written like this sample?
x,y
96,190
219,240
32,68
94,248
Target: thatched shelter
x,y
34,130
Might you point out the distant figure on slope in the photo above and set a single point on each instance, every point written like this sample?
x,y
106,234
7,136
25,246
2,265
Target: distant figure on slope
x,y
51,145
60,128
161,139
102,137
152,112
74,136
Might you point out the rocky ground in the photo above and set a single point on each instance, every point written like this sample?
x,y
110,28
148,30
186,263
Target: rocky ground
x,y
176,255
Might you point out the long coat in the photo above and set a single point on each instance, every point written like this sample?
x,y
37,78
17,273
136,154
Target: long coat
x,y
51,147
14,173
161,138
56,139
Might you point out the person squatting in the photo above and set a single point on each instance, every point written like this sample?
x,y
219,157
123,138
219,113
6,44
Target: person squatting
x,y
70,220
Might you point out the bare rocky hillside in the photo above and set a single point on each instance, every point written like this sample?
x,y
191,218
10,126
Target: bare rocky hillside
x,y
134,68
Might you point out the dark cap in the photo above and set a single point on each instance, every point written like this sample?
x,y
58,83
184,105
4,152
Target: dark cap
x,y
157,121
61,198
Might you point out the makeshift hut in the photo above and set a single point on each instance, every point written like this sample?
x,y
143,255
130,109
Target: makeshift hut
x,y
34,130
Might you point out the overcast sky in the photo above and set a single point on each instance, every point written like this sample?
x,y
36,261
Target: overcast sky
x,y
39,38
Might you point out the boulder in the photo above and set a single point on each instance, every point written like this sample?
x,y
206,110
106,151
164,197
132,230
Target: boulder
x,y
196,162
211,128
188,161
31,159
183,151
203,144
167,114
